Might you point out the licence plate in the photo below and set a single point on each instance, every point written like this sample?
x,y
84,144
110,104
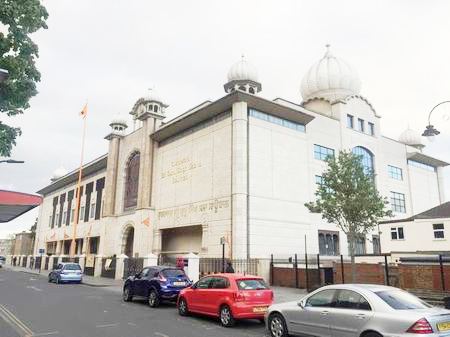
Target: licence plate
x,y
443,326
260,309
179,284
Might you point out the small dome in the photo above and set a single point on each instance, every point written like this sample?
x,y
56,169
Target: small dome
x,y
411,137
152,96
242,70
58,173
119,120
331,78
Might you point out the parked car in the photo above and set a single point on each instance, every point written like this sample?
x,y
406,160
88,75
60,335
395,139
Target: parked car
x,y
2,261
354,310
66,272
227,296
156,284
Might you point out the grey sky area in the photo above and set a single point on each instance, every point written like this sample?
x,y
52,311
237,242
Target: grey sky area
x,y
110,52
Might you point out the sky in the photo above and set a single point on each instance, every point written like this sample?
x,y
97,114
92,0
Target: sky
x,y
109,52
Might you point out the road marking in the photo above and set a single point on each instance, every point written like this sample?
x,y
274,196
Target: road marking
x,y
107,325
9,317
132,324
34,288
46,333
160,334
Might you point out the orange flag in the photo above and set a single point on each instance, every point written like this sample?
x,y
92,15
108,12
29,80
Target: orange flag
x,y
83,112
146,221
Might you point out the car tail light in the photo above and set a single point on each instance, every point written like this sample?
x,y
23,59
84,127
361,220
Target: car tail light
x,y
421,327
239,297
161,278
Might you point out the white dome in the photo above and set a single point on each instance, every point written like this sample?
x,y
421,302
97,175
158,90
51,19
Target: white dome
x,y
58,173
331,78
152,95
119,119
410,137
242,70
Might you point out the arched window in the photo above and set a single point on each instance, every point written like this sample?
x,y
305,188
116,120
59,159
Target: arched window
x,y
251,90
366,159
322,245
242,88
155,108
132,181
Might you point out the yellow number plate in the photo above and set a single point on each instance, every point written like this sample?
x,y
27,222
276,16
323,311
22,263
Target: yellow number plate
x,y
443,326
260,309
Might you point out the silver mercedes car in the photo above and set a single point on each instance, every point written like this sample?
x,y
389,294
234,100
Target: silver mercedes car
x,y
357,310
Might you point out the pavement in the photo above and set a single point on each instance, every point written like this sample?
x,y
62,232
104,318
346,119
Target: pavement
x,y
30,306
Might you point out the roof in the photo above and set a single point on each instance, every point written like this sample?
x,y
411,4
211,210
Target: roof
x,y
439,212
71,177
423,158
14,204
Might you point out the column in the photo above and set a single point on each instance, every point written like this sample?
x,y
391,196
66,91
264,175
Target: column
x,y
82,262
98,265
111,175
120,266
193,268
441,186
145,169
239,188
157,241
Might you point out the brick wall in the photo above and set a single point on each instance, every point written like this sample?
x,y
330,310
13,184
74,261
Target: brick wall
x,y
285,277
365,273
423,277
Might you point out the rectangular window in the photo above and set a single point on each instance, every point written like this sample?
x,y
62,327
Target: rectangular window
x,y
64,217
277,120
421,165
92,213
322,152
438,229
360,124
395,172
398,202
328,243
81,215
350,121
376,245
397,233
93,245
371,129
319,180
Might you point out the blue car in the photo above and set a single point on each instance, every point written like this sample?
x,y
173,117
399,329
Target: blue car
x,y
66,272
156,284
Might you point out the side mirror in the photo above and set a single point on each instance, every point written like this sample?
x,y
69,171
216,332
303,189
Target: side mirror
x,y
138,275
194,286
301,303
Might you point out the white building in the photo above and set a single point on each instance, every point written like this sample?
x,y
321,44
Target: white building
x,y
240,167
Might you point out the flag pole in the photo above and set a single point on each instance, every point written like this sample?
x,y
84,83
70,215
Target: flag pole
x,y
80,174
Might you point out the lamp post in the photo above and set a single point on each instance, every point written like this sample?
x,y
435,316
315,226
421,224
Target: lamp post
x,y
4,74
430,132
12,161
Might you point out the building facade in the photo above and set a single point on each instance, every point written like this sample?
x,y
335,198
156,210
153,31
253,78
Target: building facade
x,y
239,169
23,244
6,247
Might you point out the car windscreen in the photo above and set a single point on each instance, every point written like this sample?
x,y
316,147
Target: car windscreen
x,y
401,300
72,267
251,284
173,273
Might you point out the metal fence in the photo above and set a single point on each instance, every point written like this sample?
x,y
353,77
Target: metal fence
x,y
132,266
219,265
24,261
38,262
47,259
109,267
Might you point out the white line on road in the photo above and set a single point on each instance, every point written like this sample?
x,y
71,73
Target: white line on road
x,y
107,325
132,324
34,288
160,334
46,333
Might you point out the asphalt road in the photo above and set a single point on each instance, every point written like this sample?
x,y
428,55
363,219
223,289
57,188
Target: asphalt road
x,y
34,307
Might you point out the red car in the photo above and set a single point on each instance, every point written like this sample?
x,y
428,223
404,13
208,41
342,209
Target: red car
x,y
227,296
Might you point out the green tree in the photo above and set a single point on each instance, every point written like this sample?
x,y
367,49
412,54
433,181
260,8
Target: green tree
x,y
348,198
18,19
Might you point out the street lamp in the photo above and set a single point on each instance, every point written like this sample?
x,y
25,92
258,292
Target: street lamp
x,y
4,74
430,132
12,161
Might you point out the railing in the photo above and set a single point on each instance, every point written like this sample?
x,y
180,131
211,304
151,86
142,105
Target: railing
x,y
132,266
218,265
109,267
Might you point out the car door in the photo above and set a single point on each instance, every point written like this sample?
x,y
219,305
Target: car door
x,y
57,271
198,296
217,291
312,317
139,282
350,314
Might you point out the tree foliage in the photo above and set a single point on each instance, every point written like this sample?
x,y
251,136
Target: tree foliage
x,y
18,53
349,198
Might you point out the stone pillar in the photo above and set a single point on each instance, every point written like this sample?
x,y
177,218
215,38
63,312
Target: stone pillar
x,y
150,260
441,186
98,265
239,188
120,266
111,175
205,238
157,241
82,262
193,268
29,261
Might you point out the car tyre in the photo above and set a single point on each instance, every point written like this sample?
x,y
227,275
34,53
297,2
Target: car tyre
x,y
49,279
277,326
372,334
226,317
182,307
57,280
153,299
127,295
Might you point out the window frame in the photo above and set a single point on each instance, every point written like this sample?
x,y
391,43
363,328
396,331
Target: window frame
x,y
395,172
92,211
336,306
333,299
438,230
322,152
397,201
350,121
397,231
371,128
360,125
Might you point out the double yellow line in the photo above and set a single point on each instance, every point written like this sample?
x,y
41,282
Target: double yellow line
x,y
17,324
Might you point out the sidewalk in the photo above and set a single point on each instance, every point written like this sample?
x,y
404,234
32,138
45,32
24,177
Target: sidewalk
x,y
281,294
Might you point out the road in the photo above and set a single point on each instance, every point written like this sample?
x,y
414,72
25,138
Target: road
x,y
34,307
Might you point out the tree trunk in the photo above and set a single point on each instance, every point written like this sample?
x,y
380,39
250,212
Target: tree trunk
x,y
351,248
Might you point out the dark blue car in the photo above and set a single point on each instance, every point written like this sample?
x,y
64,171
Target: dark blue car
x,y
156,284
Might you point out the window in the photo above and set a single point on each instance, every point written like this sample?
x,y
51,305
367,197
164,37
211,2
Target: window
x,y
219,283
350,121
132,181
347,299
366,158
319,180
360,125
328,243
397,233
322,152
204,283
144,272
398,202
360,245
72,215
376,245
438,229
175,272
81,213
401,300
64,216
93,245
72,266
251,284
371,129
92,212
57,220
323,298
421,165
395,172
277,120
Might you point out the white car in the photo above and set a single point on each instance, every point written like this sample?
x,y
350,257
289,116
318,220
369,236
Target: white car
x,y
2,261
358,310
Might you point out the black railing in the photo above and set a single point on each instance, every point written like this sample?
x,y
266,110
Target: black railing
x,y
109,267
218,265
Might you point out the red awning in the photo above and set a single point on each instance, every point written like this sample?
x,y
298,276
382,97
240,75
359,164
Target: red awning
x,y
14,204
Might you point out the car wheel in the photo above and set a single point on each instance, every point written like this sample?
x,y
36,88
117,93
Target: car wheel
x,y
277,326
49,279
226,318
182,307
57,280
127,295
372,334
153,299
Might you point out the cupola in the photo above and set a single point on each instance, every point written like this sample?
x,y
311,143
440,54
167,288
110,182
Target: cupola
x,y
243,76
412,138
